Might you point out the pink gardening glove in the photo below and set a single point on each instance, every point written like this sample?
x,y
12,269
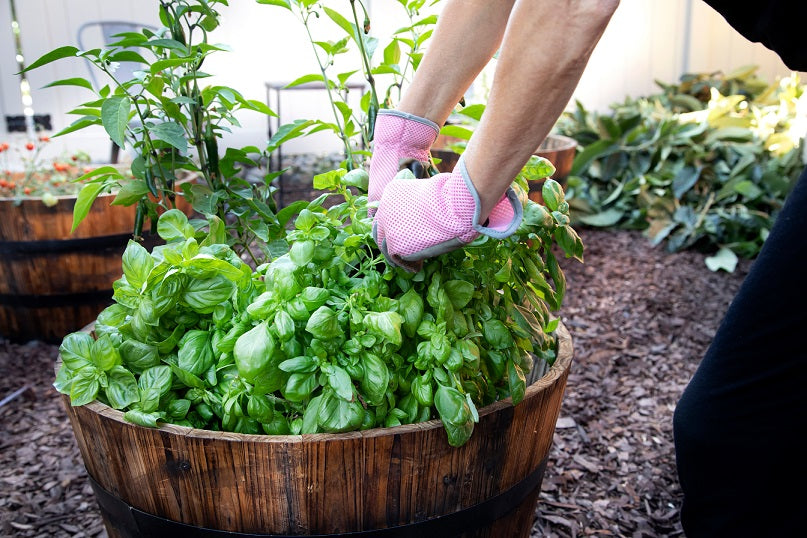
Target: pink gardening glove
x,y
398,139
422,218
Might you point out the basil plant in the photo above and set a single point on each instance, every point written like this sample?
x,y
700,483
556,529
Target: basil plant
x,y
327,337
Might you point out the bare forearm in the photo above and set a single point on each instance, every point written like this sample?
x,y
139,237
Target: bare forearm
x,y
545,50
467,35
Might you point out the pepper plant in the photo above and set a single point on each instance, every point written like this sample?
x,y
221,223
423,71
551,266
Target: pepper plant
x,y
172,122
399,60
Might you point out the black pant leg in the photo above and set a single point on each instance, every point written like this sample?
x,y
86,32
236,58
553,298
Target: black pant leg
x,y
740,424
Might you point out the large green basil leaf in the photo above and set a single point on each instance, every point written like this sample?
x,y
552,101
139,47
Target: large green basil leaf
x,y
323,324
339,380
195,353
451,405
458,434
460,292
422,390
300,386
314,297
178,408
284,325
202,295
137,264
338,415
122,390
280,278
75,350
385,324
85,386
156,378
206,266
103,353
300,364
253,351
302,252
376,378
260,408
173,226
497,334
310,416
143,418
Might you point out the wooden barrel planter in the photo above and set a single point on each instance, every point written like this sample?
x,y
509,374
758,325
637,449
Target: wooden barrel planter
x,y
404,481
52,281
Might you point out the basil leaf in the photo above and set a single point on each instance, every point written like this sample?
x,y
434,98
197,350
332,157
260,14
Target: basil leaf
x,y
310,416
75,350
323,324
157,378
314,297
142,418
85,386
300,386
338,415
460,292
260,408
173,226
137,264
301,364
103,353
497,334
253,351
195,353
451,405
302,252
410,306
385,324
422,390
376,378
339,380
204,295
178,409
284,325
122,390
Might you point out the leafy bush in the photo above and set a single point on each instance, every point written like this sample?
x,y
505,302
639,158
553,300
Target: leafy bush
x,y
328,337
705,164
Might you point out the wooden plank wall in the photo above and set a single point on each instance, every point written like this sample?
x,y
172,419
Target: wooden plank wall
x,y
644,42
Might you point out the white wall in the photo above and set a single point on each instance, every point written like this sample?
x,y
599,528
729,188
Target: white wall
x,y
644,42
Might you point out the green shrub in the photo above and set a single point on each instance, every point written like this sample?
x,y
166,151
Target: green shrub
x,y
705,164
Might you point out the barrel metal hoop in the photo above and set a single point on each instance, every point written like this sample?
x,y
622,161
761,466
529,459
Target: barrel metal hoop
x,y
134,523
56,300
96,243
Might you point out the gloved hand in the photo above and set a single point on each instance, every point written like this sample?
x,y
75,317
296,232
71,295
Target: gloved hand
x,y
422,218
398,139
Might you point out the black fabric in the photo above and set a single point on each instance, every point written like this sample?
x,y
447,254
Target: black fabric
x,y
740,424
777,24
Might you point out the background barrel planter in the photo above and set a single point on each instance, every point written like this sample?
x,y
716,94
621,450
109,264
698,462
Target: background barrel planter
x,y
560,151
53,282
387,482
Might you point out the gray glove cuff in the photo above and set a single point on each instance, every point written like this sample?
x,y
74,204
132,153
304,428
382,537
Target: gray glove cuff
x,y
518,210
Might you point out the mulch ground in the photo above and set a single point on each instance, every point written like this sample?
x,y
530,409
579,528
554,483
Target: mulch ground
x,y
640,318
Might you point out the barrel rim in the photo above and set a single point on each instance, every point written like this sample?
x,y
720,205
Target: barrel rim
x,y
558,369
72,197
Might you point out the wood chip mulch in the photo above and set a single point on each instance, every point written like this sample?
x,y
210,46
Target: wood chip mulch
x,y
640,318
